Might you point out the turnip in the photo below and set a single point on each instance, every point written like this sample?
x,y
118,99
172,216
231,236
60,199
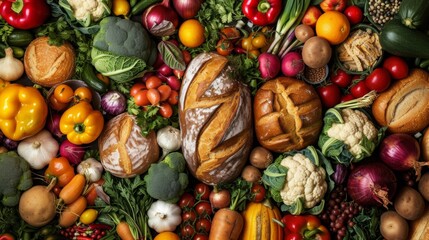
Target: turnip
x,y
269,65
37,206
292,64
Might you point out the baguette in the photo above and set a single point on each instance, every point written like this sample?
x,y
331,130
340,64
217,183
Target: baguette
x,y
419,229
215,117
404,107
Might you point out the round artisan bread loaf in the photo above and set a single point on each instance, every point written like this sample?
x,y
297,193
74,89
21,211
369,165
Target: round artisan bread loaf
x,y
47,64
287,114
215,115
404,106
124,151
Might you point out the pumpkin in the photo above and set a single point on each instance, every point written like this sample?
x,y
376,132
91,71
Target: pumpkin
x,y
262,222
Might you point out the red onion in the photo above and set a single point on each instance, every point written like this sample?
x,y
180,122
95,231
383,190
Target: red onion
x,y
292,64
53,124
9,143
340,174
173,82
401,152
372,184
165,70
74,153
113,102
160,19
187,8
147,75
159,61
269,65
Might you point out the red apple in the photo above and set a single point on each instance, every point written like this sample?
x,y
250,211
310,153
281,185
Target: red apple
x,y
311,15
333,5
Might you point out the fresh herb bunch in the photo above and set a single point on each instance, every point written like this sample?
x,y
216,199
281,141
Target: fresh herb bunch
x,y
10,222
247,71
5,30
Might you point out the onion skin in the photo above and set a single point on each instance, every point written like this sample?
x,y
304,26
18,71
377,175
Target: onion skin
x,y
74,153
187,8
113,102
156,13
401,152
269,65
292,64
372,184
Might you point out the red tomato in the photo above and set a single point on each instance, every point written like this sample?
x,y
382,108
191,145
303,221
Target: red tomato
x,y
7,236
189,216
140,98
396,66
153,82
378,80
187,200
347,97
153,96
187,231
330,95
354,14
203,225
173,99
258,191
341,78
136,88
359,89
165,91
204,208
202,191
224,47
200,236
220,198
165,110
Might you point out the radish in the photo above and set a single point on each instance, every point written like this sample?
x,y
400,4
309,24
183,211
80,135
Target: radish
x,y
292,64
269,65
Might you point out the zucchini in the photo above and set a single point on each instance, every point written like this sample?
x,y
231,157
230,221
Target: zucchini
x,y
91,79
20,38
397,39
414,13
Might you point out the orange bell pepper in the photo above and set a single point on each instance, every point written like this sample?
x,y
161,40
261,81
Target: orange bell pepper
x,y
23,111
81,123
60,170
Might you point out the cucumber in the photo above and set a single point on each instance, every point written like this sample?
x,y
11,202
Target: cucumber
x,y
91,79
20,38
142,5
17,51
414,13
397,39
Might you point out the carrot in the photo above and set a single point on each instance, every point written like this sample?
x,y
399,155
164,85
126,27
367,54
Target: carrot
x,y
72,212
226,224
124,231
73,190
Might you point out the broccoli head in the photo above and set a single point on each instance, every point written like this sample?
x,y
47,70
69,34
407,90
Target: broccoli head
x,y
167,180
15,177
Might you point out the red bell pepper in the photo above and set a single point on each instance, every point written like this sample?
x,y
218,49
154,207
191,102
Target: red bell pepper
x,y
262,12
308,227
25,14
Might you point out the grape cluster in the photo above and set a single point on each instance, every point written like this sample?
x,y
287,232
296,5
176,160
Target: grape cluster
x,y
339,214
409,177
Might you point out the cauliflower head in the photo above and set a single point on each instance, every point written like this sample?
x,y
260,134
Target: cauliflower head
x,y
304,180
88,11
356,126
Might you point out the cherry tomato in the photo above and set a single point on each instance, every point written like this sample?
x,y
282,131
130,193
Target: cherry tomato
x,y
258,192
203,225
189,216
82,94
341,78
173,99
187,231
246,43
202,191
164,91
153,96
56,190
88,216
230,33
153,82
204,208
200,236
165,110
359,89
187,200
63,93
330,95
7,236
253,54
354,14
140,98
396,66
378,80
56,105
136,88
259,40
224,47
347,97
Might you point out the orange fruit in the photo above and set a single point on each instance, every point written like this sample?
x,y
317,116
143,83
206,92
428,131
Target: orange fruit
x,y
333,26
167,236
191,33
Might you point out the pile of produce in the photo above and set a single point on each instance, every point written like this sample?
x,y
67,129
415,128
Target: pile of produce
x,y
206,119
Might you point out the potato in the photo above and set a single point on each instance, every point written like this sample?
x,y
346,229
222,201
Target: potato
x,y
423,186
251,174
37,206
409,203
316,52
303,32
260,157
393,226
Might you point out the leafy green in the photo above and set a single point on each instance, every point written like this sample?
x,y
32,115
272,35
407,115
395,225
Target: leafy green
x,y
5,30
171,55
240,190
247,71
367,225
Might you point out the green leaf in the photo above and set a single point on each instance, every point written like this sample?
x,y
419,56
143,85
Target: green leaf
x,y
172,55
316,210
295,209
275,176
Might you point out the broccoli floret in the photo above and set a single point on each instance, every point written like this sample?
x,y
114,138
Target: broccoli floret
x,y
167,180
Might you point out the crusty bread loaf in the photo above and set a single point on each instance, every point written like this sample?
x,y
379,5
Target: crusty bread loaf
x,y
419,229
48,65
425,145
215,120
404,107
124,151
288,114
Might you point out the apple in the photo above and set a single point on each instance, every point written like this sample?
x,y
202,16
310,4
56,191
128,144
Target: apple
x,y
333,5
311,15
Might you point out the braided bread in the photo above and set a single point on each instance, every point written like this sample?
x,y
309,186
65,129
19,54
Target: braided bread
x,y
288,114
215,116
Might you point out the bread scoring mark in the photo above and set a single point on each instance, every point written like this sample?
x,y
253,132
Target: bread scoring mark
x,y
409,104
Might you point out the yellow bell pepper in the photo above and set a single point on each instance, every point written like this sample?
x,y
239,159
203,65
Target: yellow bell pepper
x,y
23,111
81,123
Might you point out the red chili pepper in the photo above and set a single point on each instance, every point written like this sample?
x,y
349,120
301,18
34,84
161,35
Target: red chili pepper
x,y
262,12
25,14
306,227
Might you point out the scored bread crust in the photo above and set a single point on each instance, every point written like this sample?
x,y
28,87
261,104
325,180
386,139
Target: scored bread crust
x,y
215,117
404,107
124,151
288,114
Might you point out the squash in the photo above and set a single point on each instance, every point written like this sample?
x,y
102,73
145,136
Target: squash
x,y
397,39
414,13
262,222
